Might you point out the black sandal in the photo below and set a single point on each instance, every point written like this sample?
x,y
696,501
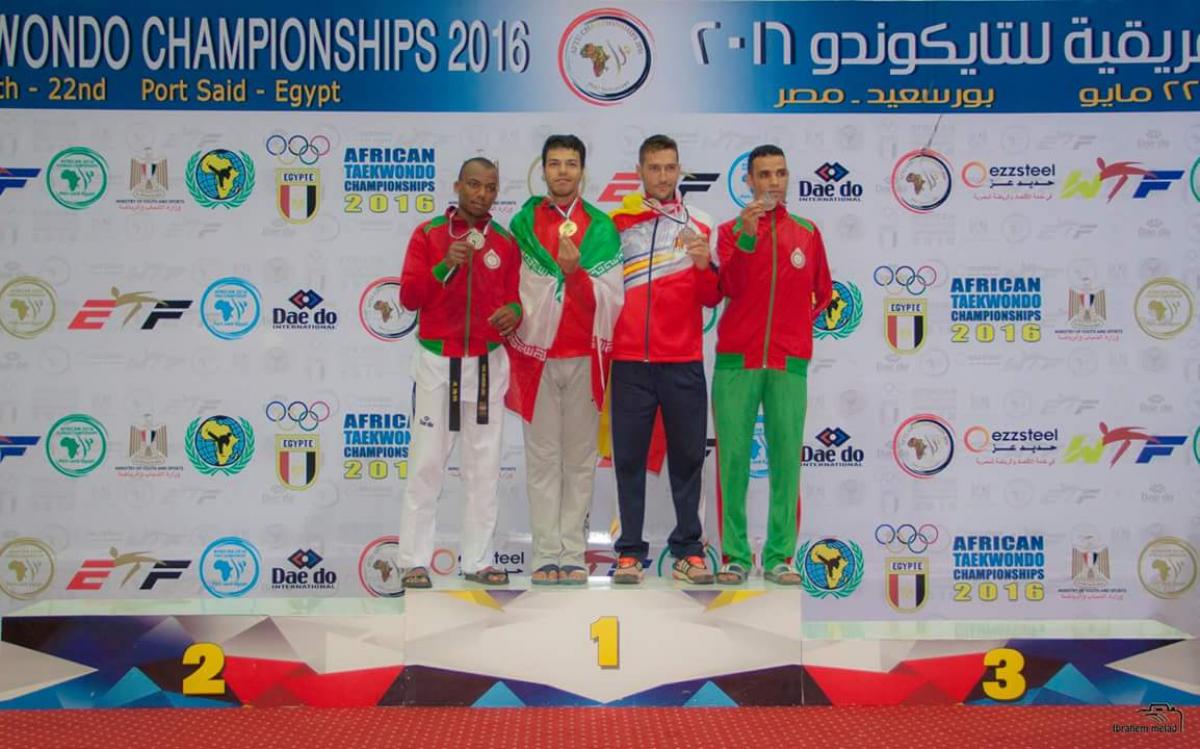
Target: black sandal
x,y
546,570
569,575
488,576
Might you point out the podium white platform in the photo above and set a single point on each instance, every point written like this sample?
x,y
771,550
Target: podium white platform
x,y
658,644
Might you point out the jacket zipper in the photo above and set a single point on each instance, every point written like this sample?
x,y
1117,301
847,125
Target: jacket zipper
x,y
650,287
467,331
771,298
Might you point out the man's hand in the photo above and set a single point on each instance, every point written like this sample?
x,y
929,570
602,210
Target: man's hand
x,y
568,256
458,253
697,249
750,216
505,320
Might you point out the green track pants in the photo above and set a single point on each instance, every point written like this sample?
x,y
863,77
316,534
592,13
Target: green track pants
x,y
737,395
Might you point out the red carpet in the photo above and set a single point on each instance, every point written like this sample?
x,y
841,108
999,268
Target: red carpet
x,y
607,728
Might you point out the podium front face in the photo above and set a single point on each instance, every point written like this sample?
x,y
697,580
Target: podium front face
x,y
659,643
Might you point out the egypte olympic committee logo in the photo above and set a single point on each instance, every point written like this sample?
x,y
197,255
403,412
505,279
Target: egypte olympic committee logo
x,y
921,180
297,178
605,56
220,177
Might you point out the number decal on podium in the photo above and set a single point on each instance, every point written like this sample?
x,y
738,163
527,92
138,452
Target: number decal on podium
x,y
606,633
1009,683
211,660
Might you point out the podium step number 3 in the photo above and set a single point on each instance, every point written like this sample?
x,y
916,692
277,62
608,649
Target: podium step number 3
x,y
1008,683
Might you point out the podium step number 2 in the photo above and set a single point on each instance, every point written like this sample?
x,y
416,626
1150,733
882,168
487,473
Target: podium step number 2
x,y
210,660
606,633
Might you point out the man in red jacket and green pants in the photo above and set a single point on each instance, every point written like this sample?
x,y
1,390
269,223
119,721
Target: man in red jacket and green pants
x,y
776,277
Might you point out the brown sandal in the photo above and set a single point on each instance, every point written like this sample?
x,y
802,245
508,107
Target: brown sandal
x,y
692,570
417,577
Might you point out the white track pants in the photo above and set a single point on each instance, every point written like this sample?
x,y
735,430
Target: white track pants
x,y
429,454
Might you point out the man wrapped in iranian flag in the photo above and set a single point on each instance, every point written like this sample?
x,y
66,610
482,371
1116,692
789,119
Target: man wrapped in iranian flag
x,y
571,294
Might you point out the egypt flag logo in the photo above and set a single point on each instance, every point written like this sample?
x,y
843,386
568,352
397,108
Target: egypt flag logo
x,y
299,194
904,316
297,460
907,583
298,178
904,324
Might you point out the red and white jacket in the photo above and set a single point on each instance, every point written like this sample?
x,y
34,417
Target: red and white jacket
x,y
777,282
665,294
455,305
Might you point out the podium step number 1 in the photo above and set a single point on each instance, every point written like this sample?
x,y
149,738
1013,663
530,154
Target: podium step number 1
x,y
606,633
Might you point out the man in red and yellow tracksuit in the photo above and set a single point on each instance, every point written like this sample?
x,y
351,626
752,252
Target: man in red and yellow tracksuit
x,y
776,277
461,273
658,360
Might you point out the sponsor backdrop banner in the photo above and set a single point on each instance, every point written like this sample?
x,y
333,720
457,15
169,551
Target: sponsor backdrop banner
x,y
204,215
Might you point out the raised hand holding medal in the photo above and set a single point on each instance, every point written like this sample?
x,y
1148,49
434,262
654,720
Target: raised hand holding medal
x,y
568,251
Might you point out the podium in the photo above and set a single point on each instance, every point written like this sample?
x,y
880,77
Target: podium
x,y
661,643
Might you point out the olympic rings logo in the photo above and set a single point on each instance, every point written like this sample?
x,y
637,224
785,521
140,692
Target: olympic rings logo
x,y
288,150
913,281
907,536
306,417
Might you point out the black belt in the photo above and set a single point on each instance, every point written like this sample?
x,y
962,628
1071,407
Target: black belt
x,y
481,403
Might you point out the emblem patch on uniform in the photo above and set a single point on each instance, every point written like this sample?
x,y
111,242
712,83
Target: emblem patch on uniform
x,y
798,257
492,259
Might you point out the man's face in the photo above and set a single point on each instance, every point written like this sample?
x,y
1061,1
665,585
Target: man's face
x,y
768,174
659,172
477,189
563,172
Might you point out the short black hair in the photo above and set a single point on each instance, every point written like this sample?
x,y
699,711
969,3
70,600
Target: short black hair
x,y
565,141
488,163
762,151
657,142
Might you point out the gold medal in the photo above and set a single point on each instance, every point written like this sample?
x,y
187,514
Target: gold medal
x,y
567,228
475,239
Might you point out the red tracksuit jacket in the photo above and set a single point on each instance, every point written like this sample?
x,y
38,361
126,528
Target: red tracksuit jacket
x,y
777,282
665,294
455,307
